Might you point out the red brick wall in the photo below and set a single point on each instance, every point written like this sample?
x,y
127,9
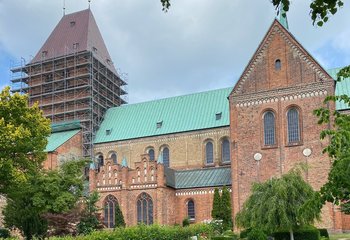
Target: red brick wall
x,y
73,147
299,83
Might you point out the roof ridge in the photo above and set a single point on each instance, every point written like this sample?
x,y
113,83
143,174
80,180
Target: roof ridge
x,y
166,98
203,169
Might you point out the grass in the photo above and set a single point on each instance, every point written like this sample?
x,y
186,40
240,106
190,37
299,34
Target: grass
x,y
340,236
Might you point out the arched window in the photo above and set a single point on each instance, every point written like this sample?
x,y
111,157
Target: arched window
x,y
144,209
166,157
209,153
100,160
151,154
191,210
293,125
278,65
110,204
269,128
225,150
114,158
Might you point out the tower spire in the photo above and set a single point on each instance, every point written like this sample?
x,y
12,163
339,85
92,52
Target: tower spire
x,y
283,16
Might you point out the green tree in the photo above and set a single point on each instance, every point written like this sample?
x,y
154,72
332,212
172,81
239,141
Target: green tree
x,y
90,220
119,218
320,10
280,204
54,192
23,138
337,189
226,209
216,210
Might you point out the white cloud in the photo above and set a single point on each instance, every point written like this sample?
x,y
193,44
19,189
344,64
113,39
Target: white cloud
x,y
198,45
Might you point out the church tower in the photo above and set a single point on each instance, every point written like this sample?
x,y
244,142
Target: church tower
x,y
72,77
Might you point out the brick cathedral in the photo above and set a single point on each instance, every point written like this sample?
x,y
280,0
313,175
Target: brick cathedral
x,y
161,160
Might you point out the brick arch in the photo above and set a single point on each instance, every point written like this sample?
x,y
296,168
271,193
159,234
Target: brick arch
x,y
261,125
300,116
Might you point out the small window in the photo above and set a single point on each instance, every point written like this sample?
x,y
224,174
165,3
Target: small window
x,y
75,46
159,124
278,65
293,126
94,49
100,160
209,153
108,132
225,150
269,129
191,210
151,154
72,23
44,54
166,157
218,115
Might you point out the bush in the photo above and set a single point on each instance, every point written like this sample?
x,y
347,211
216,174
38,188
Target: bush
x,y
324,233
244,233
186,222
256,234
305,232
4,233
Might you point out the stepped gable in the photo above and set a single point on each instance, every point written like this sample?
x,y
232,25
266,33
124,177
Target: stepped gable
x,y
297,66
75,32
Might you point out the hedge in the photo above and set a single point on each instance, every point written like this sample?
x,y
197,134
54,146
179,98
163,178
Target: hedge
x,y
143,232
324,232
307,232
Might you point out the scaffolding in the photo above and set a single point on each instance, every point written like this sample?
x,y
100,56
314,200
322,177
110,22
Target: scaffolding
x,y
76,86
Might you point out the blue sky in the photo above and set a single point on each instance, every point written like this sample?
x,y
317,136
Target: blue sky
x,y
198,45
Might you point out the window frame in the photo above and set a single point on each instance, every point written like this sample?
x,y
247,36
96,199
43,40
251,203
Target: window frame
x,y
300,129
141,209
206,142
263,144
188,209
109,206
224,139
166,162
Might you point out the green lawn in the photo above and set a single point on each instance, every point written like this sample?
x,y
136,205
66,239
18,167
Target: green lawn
x,y
340,236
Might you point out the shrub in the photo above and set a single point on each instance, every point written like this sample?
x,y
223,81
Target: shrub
x,y
256,234
324,233
186,222
244,233
4,233
305,232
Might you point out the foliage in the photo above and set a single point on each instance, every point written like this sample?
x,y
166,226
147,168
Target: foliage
x,y
324,232
216,210
226,210
302,233
90,219
217,226
4,233
244,233
54,191
61,224
256,234
186,222
280,203
119,218
320,10
23,138
150,232
337,189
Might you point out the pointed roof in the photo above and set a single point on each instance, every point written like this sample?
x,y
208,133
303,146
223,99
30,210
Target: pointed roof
x,y
124,162
283,17
277,28
160,158
75,32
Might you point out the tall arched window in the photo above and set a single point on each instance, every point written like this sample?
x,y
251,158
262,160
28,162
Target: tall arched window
x,y
293,125
209,153
114,158
151,154
166,157
225,150
144,209
109,211
191,210
100,160
269,128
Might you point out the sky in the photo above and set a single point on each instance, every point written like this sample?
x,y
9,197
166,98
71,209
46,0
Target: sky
x,y
198,45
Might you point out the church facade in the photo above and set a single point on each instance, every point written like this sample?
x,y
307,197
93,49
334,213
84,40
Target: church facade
x,y
160,161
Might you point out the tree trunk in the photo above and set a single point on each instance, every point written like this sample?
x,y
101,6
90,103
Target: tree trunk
x,y
291,234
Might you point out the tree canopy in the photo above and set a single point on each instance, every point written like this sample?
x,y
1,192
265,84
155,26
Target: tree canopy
x,y
320,10
280,204
23,138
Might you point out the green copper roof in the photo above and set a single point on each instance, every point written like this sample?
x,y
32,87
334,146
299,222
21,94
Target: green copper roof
x,y
170,115
208,177
283,19
58,138
65,126
341,88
